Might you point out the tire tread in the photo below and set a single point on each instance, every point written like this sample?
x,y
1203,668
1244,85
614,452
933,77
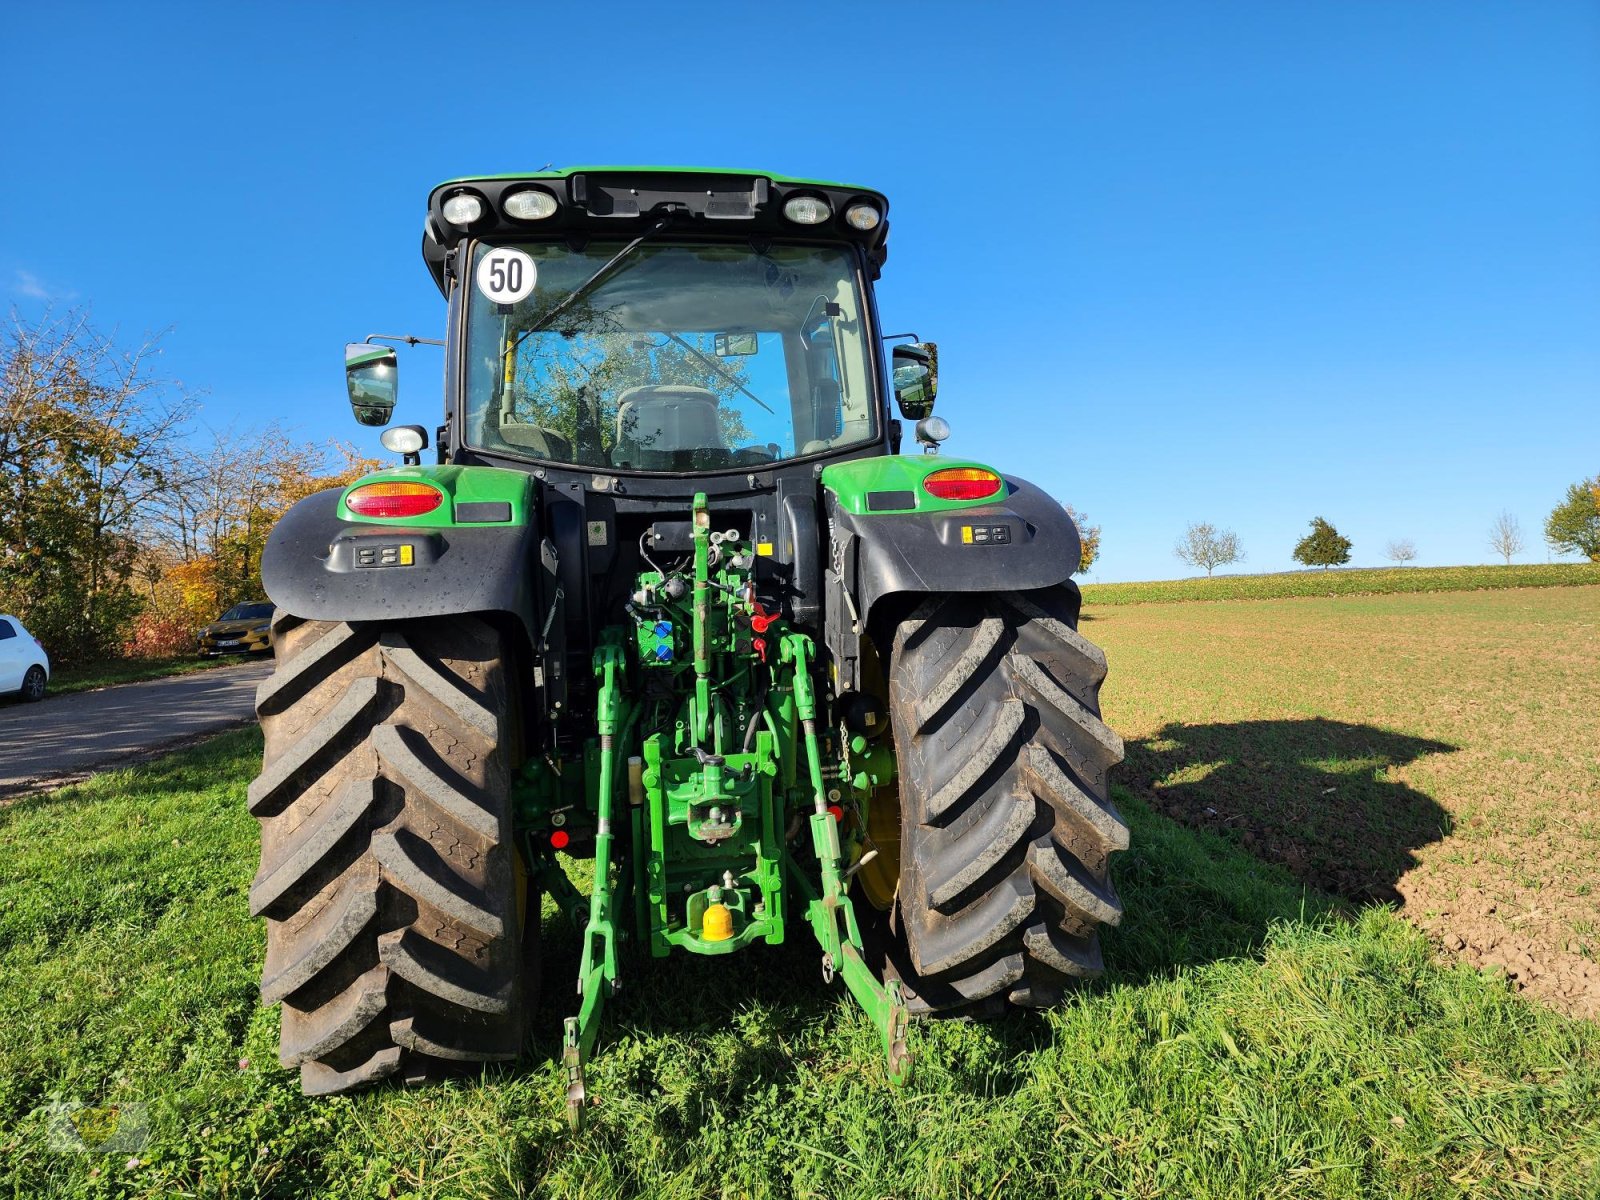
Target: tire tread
x,y
1007,822
387,873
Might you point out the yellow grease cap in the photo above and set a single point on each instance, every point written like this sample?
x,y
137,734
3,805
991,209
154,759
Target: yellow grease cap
x,y
717,924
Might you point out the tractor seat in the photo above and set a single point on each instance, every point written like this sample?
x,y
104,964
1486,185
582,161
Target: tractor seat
x,y
849,431
542,442
668,427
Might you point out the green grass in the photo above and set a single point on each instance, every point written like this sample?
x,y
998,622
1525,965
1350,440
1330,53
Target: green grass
x,y
1342,581
1250,1040
88,676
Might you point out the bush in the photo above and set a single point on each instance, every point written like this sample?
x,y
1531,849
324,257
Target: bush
x,y
158,637
73,627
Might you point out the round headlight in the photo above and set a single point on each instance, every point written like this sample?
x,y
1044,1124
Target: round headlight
x,y
533,204
807,210
403,439
463,209
863,217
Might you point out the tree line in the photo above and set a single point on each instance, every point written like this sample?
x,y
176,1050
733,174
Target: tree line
x,y
124,523
1573,527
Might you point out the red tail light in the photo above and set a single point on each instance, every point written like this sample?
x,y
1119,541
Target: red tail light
x,y
393,499
962,483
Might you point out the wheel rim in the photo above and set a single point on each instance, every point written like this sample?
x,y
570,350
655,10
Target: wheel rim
x,y
33,686
880,878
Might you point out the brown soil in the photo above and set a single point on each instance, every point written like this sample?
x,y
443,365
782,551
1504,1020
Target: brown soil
x,y
1440,751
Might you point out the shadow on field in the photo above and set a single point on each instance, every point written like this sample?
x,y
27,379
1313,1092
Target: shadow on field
x,y
1238,827
1310,795
773,996
658,1039
1235,828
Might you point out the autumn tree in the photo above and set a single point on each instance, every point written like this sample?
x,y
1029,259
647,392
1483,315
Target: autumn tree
x,y
1323,547
1088,540
87,438
1204,545
1573,526
1505,536
1401,551
209,528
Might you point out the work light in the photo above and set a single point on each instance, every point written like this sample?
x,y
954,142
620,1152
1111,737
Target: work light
x,y
807,210
463,209
863,217
403,439
531,204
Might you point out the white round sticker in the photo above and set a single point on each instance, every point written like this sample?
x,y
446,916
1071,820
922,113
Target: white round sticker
x,y
506,276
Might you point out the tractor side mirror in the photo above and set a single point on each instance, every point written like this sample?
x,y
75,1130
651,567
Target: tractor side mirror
x,y
916,378
372,374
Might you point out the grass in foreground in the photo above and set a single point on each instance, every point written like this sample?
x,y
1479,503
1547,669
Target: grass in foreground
x,y
1343,581
89,676
1251,1040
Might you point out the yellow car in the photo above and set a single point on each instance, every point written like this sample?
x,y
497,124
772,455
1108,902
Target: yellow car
x,y
243,629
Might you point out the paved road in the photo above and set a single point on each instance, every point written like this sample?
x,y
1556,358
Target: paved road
x,y
66,737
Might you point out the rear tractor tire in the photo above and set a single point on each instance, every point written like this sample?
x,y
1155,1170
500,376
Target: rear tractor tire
x,y
1007,826
389,880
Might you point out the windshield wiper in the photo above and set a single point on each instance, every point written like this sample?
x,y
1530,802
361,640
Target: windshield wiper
x,y
719,369
588,285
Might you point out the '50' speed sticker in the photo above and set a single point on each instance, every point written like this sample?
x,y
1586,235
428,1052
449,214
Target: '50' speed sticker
x,y
506,276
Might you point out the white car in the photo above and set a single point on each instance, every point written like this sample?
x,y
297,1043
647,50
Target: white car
x,y
24,666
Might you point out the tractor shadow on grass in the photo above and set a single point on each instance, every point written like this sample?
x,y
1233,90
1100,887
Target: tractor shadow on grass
x,y
1237,826
1311,795
692,1035
689,1035
667,1032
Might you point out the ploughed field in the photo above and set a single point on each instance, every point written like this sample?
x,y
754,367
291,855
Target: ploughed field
x,y
1269,1025
1436,749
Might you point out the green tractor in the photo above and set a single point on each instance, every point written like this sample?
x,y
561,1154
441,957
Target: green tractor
x,y
671,599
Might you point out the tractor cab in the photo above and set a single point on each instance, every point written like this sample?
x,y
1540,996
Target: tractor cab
x,y
629,337
667,322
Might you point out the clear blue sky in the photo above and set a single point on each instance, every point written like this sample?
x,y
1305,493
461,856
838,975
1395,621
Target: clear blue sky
x,y
1245,263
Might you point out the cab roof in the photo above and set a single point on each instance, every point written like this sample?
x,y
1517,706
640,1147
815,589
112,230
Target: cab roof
x,y
625,201
568,172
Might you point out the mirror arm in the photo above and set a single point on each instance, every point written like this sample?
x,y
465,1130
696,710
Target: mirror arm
x,y
408,338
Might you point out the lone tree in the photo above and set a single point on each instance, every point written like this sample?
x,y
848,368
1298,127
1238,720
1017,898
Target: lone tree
x,y
1573,526
1323,546
1088,537
1204,545
1505,536
1402,551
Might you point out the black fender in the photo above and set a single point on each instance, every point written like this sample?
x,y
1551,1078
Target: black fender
x,y
1021,542
314,566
